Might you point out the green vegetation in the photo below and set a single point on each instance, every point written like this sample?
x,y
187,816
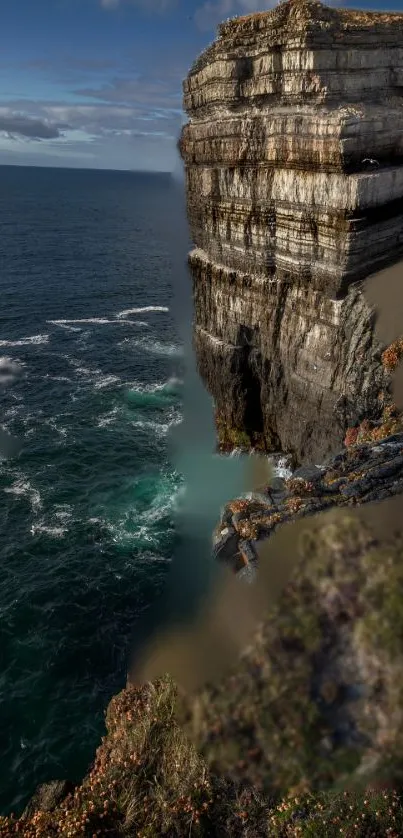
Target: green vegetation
x,y
390,423
229,437
316,701
255,755
148,781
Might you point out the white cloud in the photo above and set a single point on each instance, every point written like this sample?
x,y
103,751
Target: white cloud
x,y
209,15
150,93
15,124
67,123
123,118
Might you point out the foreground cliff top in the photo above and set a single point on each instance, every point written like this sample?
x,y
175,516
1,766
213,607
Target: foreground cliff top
x,y
310,20
303,13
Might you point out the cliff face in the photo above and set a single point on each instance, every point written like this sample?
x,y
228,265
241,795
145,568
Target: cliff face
x,y
293,155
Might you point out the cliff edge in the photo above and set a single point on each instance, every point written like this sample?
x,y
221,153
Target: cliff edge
x,y
293,159
294,179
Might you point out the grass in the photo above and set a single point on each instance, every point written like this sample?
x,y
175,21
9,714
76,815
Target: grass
x,y
272,721
148,781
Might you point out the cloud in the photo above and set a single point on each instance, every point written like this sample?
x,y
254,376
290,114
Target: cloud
x,y
209,15
117,109
84,123
153,93
18,124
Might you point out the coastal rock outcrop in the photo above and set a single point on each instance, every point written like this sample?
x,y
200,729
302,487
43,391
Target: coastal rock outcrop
x,y
316,699
365,473
294,181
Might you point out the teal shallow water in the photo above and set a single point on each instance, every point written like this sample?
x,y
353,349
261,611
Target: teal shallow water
x,y
87,507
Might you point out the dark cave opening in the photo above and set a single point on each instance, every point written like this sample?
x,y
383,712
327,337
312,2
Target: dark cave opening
x,y
250,380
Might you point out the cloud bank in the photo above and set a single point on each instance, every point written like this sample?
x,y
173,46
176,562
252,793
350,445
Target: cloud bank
x,y
19,125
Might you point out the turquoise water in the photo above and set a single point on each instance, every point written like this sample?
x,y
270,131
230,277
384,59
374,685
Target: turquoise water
x,y
93,385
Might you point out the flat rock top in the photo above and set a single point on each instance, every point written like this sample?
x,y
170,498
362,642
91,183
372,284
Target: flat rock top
x,y
298,18
300,13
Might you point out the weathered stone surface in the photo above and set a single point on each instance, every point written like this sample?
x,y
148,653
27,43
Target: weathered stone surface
x,y
48,797
294,183
282,359
365,473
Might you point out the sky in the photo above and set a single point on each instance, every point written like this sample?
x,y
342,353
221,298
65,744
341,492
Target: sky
x,y
98,83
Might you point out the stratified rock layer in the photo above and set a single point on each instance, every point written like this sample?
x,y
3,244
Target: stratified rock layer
x,y
293,157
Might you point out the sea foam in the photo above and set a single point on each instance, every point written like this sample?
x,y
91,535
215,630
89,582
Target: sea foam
x,y
35,340
140,310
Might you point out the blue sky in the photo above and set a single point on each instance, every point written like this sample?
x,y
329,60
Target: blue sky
x,y
97,83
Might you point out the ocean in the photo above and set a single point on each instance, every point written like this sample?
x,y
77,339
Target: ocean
x,y
91,372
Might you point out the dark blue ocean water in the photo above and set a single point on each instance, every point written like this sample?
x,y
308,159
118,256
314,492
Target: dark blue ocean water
x,y
86,508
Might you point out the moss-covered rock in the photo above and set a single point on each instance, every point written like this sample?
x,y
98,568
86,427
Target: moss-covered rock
x,y
148,781
317,700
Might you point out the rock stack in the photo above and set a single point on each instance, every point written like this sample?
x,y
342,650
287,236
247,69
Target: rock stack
x,y
293,155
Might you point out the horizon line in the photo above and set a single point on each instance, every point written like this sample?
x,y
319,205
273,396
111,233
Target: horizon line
x,y
84,169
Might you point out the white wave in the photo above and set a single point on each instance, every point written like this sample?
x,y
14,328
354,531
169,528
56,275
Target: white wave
x,y
163,504
108,418
22,488
54,532
281,466
155,347
94,375
56,524
99,320
51,423
35,340
63,512
92,321
63,378
87,371
146,522
140,310
159,428
236,452
13,411
107,381
63,325
159,386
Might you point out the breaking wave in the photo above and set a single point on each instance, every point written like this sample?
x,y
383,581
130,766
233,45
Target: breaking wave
x,y
141,310
34,340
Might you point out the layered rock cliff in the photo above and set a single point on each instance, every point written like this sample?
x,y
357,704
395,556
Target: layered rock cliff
x,y
293,154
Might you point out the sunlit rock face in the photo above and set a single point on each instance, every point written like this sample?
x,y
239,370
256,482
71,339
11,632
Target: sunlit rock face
x,y
293,154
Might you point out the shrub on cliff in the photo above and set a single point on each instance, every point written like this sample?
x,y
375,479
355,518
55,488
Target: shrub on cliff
x,y
392,355
147,780
390,423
